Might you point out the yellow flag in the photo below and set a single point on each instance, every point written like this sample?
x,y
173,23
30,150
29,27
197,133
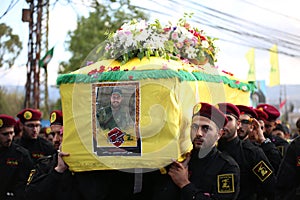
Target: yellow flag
x,y
251,72
274,73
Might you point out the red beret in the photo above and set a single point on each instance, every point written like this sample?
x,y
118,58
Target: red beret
x,y
29,114
272,112
46,130
229,109
261,114
56,117
7,121
247,110
17,127
211,112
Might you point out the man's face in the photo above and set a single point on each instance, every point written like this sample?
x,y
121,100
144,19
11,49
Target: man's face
x,y
57,131
245,126
31,129
115,101
230,129
204,132
6,136
269,126
278,133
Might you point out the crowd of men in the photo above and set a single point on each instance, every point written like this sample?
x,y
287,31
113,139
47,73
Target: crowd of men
x,y
239,152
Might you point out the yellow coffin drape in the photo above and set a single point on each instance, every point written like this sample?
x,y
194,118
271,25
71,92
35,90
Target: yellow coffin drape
x,y
164,113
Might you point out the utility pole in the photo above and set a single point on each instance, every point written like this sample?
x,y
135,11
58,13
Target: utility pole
x,y
34,16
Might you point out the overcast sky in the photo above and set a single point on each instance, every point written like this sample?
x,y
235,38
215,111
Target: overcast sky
x,y
269,19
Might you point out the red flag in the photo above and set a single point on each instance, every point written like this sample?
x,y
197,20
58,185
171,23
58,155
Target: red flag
x,y
282,104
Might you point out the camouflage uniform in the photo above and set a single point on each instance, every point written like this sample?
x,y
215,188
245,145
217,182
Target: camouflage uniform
x,y
109,120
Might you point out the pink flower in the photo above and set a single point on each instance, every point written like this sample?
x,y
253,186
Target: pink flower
x,y
174,35
179,45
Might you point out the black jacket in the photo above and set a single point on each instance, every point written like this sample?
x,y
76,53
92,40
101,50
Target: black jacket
x,y
288,177
216,176
257,174
15,166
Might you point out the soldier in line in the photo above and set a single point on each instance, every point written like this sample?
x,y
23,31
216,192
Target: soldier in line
x,y
31,125
270,124
279,133
256,170
288,177
51,179
206,173
248,114
15,162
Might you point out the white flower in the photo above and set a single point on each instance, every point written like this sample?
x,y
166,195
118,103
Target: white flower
x,y
191,52
134,37
205,44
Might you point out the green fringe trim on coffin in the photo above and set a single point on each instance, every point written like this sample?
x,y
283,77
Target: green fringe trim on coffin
x,y
135,75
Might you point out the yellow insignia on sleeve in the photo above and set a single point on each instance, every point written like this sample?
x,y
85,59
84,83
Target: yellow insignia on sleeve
x,y
53,117
1,123
32,172
197,107
262,171
27,115
225,183
261,109
280,149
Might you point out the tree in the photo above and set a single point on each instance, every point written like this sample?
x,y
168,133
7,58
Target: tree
x,y
91,31
10,46
10,102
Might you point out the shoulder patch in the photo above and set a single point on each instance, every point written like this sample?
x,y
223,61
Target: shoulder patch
x,y
262,171
225,183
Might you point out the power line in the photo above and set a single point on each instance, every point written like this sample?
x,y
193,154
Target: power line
x,y
244,32
11,5
271,11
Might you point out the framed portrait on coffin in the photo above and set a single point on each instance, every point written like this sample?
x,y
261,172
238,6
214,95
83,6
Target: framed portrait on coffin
x,y
115,116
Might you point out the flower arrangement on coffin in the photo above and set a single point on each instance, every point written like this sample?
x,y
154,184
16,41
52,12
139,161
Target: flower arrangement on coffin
x,y
141,39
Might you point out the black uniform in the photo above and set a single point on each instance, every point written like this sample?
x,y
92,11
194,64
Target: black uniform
x,y
47,184
216,176
256,170
272,153
37,147
15,166
281,144
104,185
288,177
